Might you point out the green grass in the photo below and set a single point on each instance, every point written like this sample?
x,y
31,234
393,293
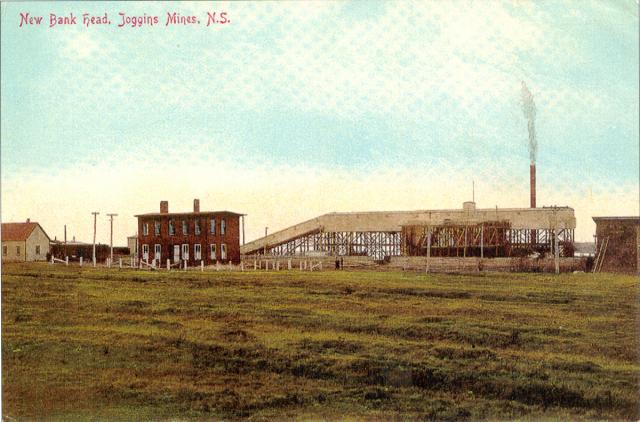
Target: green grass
x,y
85,344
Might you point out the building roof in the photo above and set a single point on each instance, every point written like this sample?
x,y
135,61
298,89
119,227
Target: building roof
x,y
71,243
626,219
188,213
19,231
584,248
392,221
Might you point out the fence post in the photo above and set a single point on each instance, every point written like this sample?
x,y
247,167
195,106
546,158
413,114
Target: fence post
x,y
320,265
168,264
300,262
255,264
66,260
241,266
81,261
289,264
428,250
201,265
277,265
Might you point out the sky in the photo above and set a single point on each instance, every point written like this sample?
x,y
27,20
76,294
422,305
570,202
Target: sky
x,y
295,109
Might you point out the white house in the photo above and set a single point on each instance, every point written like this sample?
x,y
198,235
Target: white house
x,y
24,242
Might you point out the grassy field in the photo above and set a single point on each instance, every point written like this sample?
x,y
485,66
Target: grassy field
x,y
80,344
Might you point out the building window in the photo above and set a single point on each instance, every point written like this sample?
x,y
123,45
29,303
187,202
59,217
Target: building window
x,y
145,252
197,227
213,226
223,226
197,252
212,249
37,249
176,253
156,228
4,250
172,229
185,227
145,229
223,251
18,250
157,252
185,251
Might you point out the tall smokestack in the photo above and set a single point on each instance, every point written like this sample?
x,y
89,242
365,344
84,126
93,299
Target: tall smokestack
x,y
529,110
532,184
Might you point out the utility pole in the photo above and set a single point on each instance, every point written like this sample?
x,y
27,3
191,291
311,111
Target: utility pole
x,y
556,249
65,240
473,191
265,239
95,213
242,217
111,236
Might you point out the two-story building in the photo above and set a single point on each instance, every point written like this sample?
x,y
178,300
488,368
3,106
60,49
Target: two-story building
x,y
210,236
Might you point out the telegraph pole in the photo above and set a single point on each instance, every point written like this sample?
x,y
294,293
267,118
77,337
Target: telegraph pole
x,y
242,217
265,239
111,236
95,213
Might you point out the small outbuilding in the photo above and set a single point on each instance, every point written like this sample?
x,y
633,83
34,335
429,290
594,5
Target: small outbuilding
x,y
618,244
24,242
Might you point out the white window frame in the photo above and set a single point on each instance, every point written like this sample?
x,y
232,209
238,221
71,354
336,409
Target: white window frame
x,y
185,251
157,228
176,257
223,251
145,229
223,226
213,226
157,252
196,228
145,252
197,251
172,228
212,252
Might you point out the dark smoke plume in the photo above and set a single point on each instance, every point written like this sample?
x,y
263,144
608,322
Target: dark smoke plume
x,y
529,110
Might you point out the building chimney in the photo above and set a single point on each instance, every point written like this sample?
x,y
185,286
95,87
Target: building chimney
x,y
532,181
196,205
164,207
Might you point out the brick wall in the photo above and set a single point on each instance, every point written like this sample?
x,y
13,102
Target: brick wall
x,y
231,237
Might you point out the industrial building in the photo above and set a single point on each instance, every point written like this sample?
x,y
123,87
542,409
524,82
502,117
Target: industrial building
x,y
209,236
24,242
464,232
617,244
75,250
